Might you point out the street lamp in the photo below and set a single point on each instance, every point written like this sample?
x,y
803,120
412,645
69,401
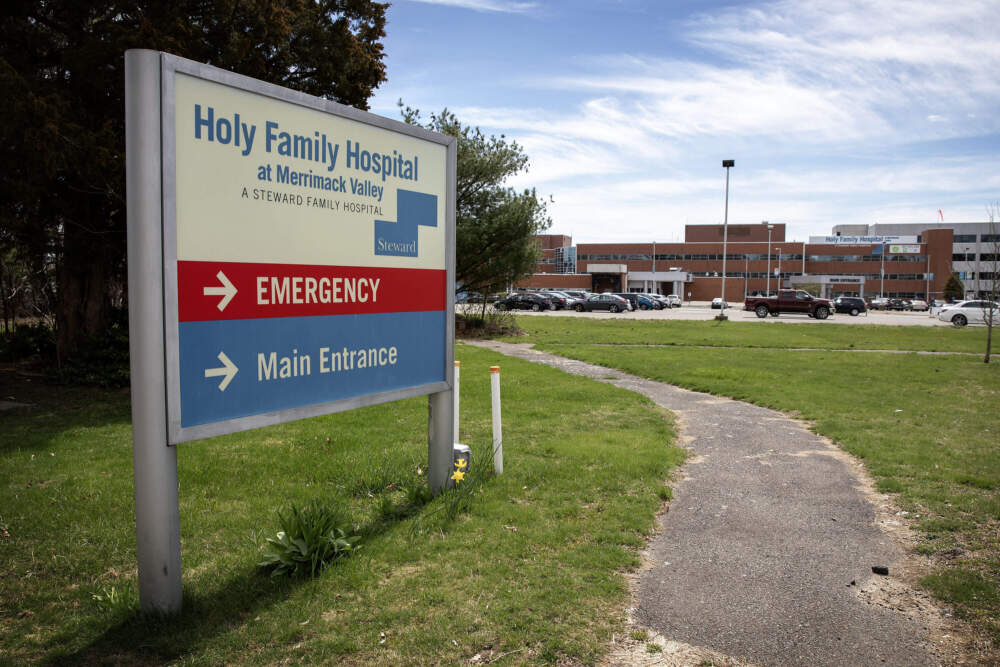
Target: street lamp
x,y
769,228
778,277
881,287
965,260
746,274
975,294
725,234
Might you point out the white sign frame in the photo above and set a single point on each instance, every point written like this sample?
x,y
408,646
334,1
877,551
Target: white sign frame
x,y
171,66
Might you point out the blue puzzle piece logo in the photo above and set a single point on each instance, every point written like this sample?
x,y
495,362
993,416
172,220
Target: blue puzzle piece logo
x,y
399,239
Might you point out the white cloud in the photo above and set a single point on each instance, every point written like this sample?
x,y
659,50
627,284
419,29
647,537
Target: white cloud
x,y
837,93
485,5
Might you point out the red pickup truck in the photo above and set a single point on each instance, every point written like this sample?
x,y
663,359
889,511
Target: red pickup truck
x,y
789,301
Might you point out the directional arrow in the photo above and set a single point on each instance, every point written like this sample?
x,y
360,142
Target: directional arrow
x,y
227,371
227,291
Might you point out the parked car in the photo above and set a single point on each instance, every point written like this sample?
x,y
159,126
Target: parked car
x,y
789,301
524,301
878,303
609,302
558,299
638,301
897,304
674,301
969,312
658,300
582,296
919,304
853,305
570,299
719,304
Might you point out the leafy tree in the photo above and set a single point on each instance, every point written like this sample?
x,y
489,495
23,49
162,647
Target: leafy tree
x,y
62,198
954,290
495,243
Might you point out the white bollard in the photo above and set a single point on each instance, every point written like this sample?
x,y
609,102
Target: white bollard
x,y
458,368
497,428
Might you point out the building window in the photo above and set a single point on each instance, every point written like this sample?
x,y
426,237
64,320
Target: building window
x,y
991,238
964,238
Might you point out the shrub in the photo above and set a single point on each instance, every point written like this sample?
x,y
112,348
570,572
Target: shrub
x,y
28,340
476,324
311,538
101,360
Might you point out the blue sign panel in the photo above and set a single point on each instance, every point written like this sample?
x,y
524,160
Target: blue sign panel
x,y
237,368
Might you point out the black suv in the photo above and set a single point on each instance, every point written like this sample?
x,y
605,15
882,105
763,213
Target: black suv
x,y
849,304
524,301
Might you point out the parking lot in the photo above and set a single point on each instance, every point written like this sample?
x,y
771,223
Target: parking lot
x,y
702,311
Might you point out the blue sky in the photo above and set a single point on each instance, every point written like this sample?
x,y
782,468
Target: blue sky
x,y
835,112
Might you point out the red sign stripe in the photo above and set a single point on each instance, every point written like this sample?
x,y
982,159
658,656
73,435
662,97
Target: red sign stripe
x,y
296,290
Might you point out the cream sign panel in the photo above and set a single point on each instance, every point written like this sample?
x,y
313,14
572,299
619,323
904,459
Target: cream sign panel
x,y
263,180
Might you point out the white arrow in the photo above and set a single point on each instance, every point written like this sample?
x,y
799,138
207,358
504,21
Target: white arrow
x,y
227,291
227,371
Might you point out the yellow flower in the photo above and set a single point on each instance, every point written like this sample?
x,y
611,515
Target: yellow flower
x,y
458,475
460,464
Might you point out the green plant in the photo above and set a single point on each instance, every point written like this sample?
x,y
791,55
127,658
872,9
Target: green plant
x,y
665,493
28,340
101,360
954,290
653,648
311,538
639,635
112,600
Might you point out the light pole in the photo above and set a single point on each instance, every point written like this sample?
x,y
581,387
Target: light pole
x,y
778,277
975,294
746,274
725,235
769,228
965,260
881,287
927,279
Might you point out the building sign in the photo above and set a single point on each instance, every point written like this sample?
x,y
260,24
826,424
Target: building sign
x,y
308,258
860,240
904,249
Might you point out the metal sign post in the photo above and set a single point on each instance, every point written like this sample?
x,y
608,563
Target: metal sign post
x,y
157,518
288,257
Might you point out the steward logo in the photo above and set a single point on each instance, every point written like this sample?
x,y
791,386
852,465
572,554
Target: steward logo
x,y
399,239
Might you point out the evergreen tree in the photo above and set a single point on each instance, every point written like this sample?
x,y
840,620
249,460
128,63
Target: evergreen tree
x,y
954,290
62,139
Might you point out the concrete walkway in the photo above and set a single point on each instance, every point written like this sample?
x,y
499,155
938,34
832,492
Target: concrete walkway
x,y
766,552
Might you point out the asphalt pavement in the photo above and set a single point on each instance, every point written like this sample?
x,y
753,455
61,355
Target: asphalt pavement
x,y
767,549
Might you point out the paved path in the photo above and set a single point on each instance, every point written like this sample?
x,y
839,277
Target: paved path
x,y
764,536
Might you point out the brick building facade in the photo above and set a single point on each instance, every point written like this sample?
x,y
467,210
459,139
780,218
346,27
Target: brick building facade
x,y
758,259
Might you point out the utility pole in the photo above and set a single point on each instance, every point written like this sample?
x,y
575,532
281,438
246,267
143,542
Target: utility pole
x,y
727,164
778,277
881,287
769,228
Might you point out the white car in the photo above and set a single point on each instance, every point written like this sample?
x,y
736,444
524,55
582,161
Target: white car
x,y
969,312
674,301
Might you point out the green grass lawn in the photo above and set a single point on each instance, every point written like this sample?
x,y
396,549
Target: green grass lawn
x,y
529,563
619,331
927,427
